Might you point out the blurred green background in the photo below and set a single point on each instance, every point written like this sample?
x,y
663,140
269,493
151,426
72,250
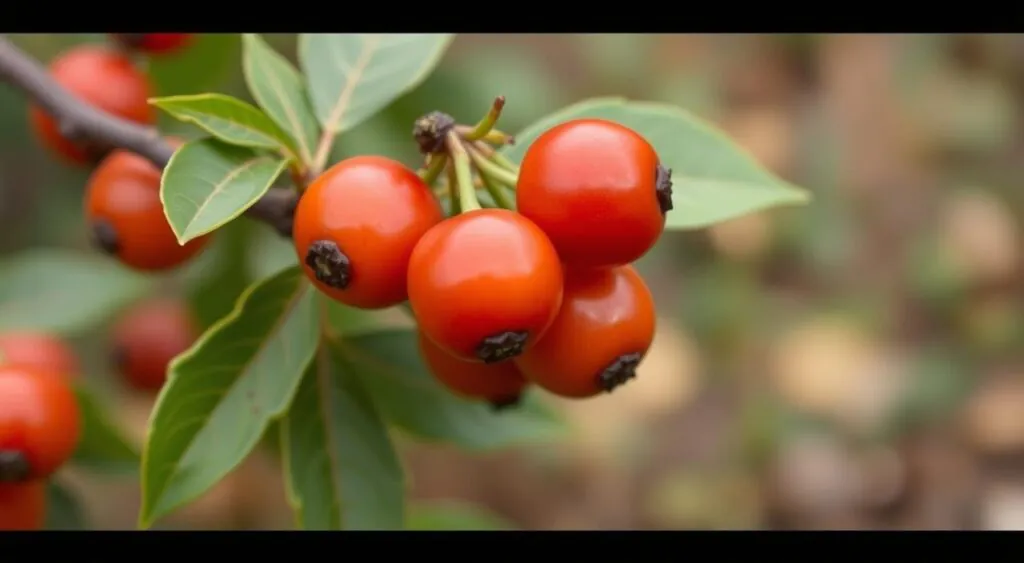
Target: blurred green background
x,y
854,363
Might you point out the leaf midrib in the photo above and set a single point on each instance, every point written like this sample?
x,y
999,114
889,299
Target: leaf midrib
x,y
323,383
219,187
358,356
370,47
199,118
275,86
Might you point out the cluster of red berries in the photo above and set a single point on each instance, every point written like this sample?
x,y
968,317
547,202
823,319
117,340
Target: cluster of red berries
x,y
544,295
122,198
39,413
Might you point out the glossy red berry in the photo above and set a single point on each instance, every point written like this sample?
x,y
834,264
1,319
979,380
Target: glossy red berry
x,y
355,228
38,351
103,78
22,506
500,384
597,189
39,423
601,334
485,285
126,217
148,337
154,43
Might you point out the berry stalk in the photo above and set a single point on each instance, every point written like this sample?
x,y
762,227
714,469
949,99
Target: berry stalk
x,y
453,192
435,165
488,169
463,174
469,155
485,125
494,183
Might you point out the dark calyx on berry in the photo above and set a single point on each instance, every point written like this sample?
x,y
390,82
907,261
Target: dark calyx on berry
x,y
430,131
663,188
330,265
620,371
104,237
502,346
14,467
505,403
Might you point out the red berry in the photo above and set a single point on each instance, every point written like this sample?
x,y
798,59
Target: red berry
x,y
103,78
485,285
148,337
38,351
39,423
597,189
22,506
123,208
602,332
500,384
355,228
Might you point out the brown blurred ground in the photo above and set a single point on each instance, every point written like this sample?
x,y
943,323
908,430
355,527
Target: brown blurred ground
x,y
856,363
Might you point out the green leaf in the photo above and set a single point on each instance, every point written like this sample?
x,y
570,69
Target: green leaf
x,y
102,446
213,294
207,64
268,253
229,119
222,393
353,76
454,516
349,321
208,183
278,88
713,179
403,390
63,291
63,509
341,469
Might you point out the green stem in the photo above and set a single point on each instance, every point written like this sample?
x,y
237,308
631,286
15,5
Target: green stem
x,y
453,193
496,157
463,174
498,138
298,173
434,168
485,125
497,192
488,168
494,186
505,163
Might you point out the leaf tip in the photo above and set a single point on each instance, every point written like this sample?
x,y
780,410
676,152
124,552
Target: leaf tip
x,y
798,195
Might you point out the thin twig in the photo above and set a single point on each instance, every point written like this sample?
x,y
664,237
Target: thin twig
x,y
79,120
